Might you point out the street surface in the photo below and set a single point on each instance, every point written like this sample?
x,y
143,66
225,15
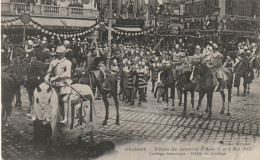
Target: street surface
x,y
148,122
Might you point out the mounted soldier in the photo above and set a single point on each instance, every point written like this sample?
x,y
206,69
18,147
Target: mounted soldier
x,y
215,63
59,74
94,58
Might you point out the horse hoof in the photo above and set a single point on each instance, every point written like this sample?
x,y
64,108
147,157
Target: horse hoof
x,y
183,113
179,104
209,116
221,112
206,110
237,94
104,123
228,114
117,123
198,108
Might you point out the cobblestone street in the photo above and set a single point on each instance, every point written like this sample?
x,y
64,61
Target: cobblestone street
x,y
150,122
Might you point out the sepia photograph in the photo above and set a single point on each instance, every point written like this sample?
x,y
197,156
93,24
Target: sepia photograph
x,y
130,79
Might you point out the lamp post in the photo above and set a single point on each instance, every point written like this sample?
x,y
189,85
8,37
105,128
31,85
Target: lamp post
x,y
109,34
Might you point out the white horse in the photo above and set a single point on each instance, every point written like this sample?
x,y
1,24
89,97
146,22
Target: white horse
x,y
82,117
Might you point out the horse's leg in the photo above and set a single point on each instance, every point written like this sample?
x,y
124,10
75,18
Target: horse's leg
x,y
105,100
237,83
173,94
210,99
166,97
185,102
114,95
192,99
222,93
180,97
245,86
248,88
18,103
30,95
229,99
201,95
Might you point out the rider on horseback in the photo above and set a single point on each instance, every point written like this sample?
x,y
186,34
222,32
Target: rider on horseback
x,y
215,63
59,73
94,58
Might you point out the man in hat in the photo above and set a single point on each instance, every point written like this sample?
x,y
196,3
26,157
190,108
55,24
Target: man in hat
x,y
59,73
140,80
29,49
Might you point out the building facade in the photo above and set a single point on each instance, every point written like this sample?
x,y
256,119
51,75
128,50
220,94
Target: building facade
x,y
227,16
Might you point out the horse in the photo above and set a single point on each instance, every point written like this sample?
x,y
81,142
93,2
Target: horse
x,y
185,85
242,70
12,78
35,76
170,82
205,78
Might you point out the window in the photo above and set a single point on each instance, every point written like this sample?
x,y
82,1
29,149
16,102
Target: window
x,y
242,8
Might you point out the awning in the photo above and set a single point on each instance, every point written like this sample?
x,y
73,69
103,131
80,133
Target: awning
x,y
78,22
54,22
3,18
133,29
48,21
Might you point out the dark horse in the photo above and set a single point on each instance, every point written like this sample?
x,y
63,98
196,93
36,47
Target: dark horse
x,y
242,70
205,78
185,85
12,78
170,83
111,82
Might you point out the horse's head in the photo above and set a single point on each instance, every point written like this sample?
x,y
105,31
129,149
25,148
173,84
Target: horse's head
x,y
22,69
199,69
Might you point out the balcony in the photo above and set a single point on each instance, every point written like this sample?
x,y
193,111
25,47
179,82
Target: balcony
x,y
47,10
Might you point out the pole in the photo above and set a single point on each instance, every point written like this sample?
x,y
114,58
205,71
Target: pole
x,y
24,34
109,34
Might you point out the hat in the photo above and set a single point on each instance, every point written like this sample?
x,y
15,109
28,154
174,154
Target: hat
x,y
198,47
156,59
61,49
44,39
4,36
177,46
239,44
52,37
44,42
66,42
30,42
215,46
245,48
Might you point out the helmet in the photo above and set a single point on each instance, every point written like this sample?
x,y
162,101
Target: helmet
x,y
61,49
30,42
